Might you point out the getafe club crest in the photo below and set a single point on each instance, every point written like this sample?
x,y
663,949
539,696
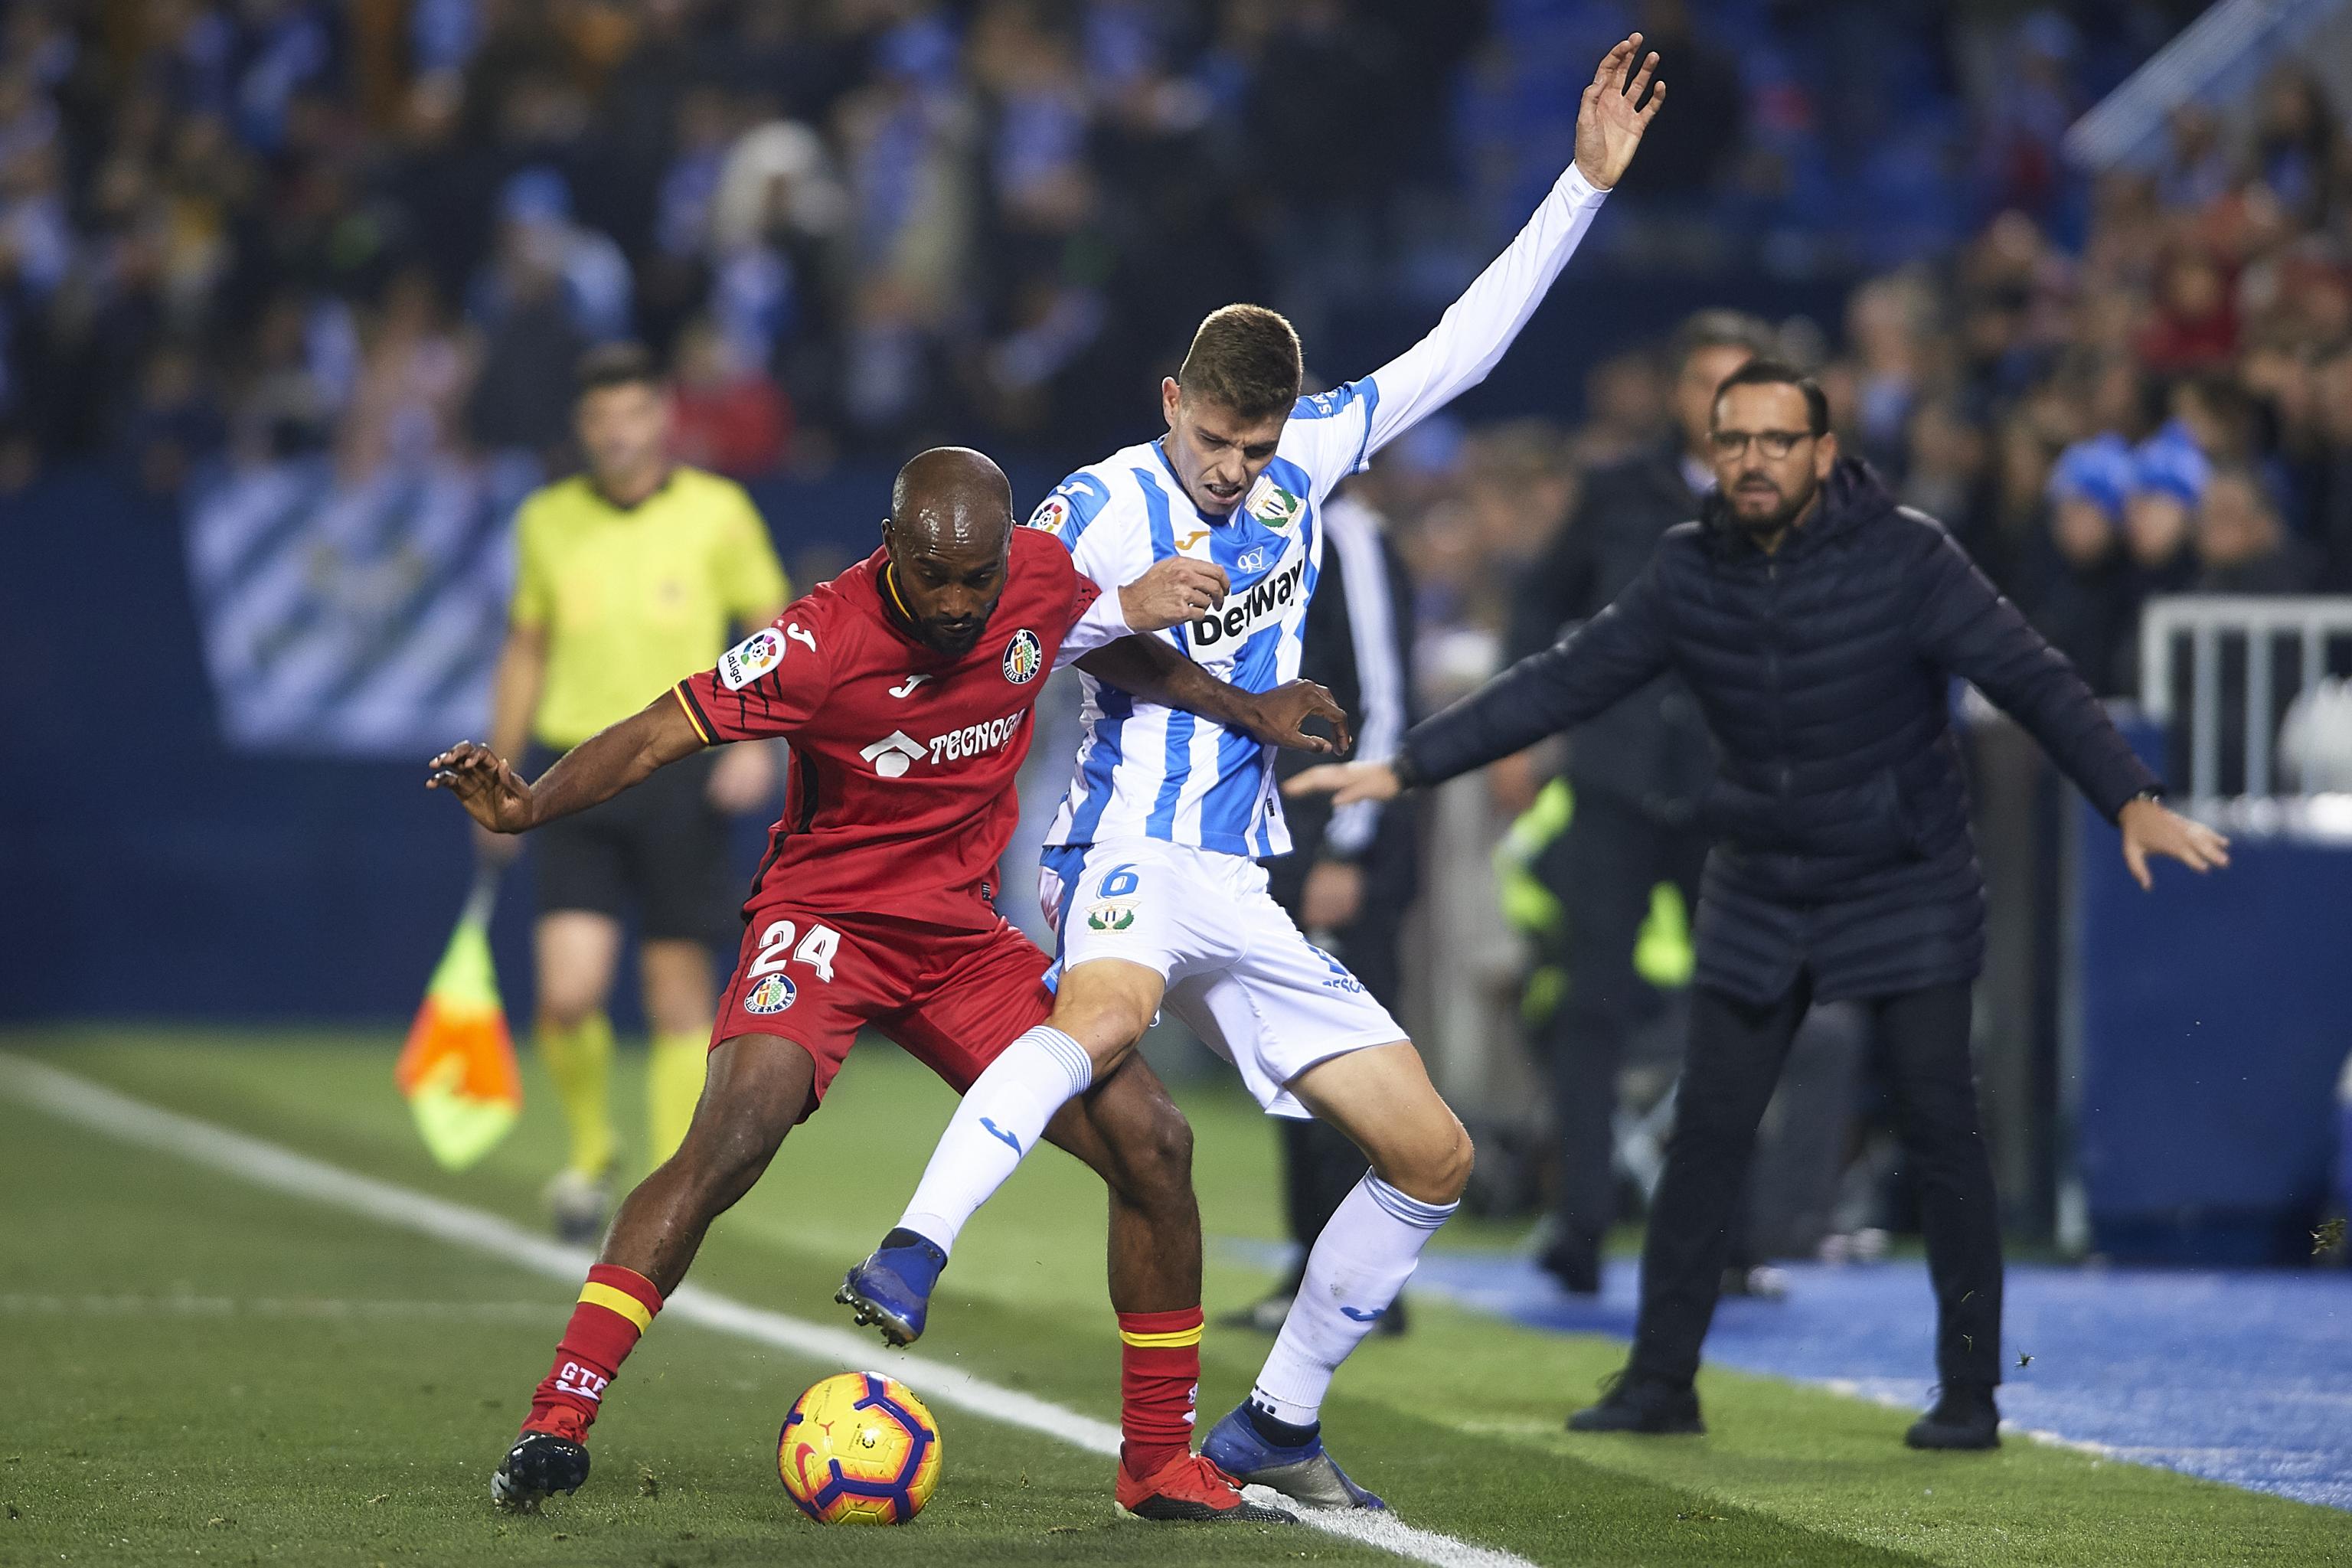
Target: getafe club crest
x,y
772,994
1274,507
1024,656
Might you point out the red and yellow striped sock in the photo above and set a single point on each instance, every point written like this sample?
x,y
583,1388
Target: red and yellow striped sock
x,y
1159,1383
617,1306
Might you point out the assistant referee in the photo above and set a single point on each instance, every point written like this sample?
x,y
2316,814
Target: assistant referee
x,y
630,576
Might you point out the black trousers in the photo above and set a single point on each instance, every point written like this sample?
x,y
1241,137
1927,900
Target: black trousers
x,y
1602,869
1735,1053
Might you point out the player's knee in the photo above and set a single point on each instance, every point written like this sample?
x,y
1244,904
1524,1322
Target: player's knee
x,y
1160,1161
1434,1169
1106,1024
563,1008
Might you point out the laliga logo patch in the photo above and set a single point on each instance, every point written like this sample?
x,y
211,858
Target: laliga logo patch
x,y
772,994
1274,507
1024,656
1112,915
750,658
1051,514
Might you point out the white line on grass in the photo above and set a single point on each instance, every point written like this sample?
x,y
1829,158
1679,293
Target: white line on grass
x,y
102,1109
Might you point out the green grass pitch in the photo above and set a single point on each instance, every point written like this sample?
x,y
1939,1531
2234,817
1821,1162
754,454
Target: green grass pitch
x,y
198,1371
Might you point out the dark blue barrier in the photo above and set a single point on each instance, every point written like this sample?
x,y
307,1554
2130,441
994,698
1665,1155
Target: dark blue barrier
x,y
2216,1016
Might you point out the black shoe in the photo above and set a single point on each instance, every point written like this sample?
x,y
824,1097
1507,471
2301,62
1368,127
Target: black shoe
x,y
1640,1404
1576,1267
1964,1417
541,1463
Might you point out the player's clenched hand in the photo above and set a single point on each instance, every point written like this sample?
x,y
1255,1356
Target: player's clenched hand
x,y
1279,717
1347,782
484,785
1174,591
1609,122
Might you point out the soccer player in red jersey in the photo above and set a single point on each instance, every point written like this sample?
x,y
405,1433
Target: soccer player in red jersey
x,y
906,687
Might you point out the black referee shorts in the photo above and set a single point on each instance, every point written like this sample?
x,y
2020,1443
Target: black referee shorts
x,y
657,851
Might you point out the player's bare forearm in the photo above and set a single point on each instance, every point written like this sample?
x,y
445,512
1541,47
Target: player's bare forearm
x,y
614,759
591,773
1147,668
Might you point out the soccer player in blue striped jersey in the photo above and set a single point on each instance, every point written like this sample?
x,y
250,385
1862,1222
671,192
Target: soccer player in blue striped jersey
x,y
1150,878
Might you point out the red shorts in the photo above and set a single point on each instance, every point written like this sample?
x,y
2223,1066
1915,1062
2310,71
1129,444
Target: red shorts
x,y
952,999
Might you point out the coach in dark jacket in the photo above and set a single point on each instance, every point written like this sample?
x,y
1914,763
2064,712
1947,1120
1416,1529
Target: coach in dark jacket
x,y
1819,625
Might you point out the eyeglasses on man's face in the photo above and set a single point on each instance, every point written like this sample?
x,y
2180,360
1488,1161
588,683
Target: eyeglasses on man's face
x,y
1773,443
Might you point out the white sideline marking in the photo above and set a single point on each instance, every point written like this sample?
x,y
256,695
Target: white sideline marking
x,y
101,1109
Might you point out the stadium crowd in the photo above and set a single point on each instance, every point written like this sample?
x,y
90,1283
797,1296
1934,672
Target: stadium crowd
x,y
266,228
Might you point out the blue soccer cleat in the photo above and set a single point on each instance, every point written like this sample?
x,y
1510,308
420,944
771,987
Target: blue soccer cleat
x,y
892,1288
1303,1473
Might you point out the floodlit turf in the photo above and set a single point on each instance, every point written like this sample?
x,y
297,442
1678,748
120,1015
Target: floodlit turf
x,y
198,1370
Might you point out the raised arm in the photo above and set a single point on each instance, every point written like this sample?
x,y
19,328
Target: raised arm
x,y
590,774
1477,329
1147,668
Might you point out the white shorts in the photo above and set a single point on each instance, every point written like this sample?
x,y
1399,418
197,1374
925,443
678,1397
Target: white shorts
x,y
1239,972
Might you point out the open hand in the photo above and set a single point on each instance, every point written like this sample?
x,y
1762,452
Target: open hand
x,y
1347,782
2150,828
489,790
1174,591
1609,122
1278,717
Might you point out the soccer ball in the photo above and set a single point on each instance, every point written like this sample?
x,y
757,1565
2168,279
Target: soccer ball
x,y
859,1448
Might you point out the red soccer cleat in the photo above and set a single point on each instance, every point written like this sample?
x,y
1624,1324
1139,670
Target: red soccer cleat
x,y
1190,1488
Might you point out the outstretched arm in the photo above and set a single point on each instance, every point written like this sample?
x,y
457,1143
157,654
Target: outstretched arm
x,y
1147,668
591,773
1967,627
1617,652
1479,327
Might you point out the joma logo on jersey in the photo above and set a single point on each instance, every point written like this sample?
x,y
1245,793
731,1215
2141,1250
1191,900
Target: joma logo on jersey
x,y
1266,600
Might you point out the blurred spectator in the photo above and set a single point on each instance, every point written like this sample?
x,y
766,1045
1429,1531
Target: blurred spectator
x,y
2241,546
728,416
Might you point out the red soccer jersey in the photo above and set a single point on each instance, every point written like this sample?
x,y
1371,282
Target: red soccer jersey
x,y
901,797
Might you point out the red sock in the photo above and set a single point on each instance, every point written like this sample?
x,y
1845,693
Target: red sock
x,y
615,1307
1159,1380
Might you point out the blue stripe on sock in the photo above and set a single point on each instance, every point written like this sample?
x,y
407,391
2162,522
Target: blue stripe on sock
x,y
1067,1051
1407,1210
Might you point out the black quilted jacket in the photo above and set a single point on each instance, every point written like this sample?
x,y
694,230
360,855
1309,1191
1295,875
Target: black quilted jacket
x,y
1839,810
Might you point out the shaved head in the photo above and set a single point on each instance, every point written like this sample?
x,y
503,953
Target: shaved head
x,y
949,537
952,495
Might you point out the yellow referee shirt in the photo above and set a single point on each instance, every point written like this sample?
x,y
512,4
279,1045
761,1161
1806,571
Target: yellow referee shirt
x,y
633,601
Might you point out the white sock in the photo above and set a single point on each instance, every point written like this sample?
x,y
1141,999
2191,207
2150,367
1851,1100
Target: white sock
x,y
1360,1261
1002,1115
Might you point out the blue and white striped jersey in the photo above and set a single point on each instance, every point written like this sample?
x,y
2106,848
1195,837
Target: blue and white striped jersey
x,y
1147,771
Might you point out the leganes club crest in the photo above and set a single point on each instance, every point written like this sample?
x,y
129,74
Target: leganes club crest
x,y
1111,915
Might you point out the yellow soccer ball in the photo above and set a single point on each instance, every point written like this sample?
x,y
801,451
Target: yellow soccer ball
x,y
859,1448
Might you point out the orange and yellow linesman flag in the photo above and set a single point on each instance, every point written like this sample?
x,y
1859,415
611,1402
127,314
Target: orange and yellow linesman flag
x,y
458,1068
